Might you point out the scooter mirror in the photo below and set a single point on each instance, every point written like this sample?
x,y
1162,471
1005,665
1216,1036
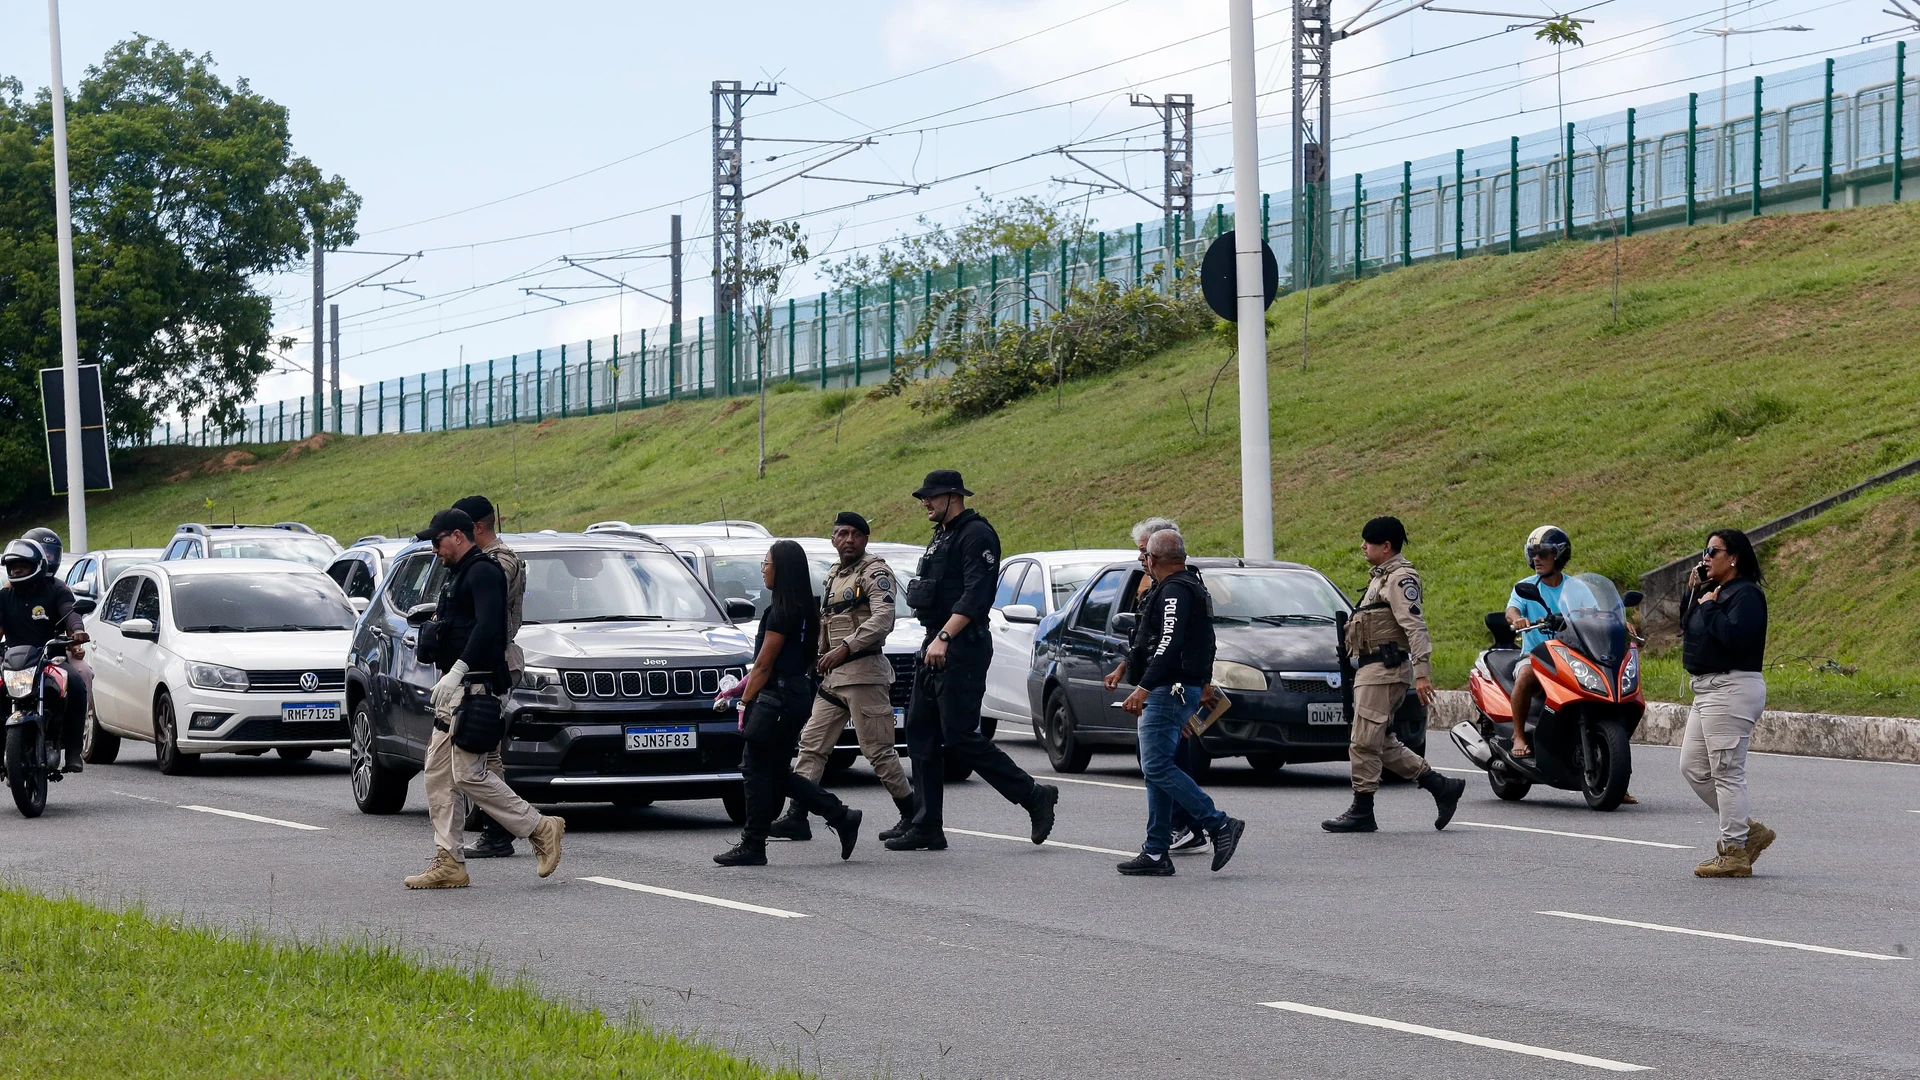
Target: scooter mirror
x,y
1527,590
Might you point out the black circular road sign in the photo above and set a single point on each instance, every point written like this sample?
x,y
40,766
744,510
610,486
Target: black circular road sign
x,y
1219,281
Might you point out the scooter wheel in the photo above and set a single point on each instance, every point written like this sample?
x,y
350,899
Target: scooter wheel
x,y
1508,789
1605,778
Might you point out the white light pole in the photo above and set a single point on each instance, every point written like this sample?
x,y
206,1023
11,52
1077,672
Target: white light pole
x,y
1724,31
69,334
1256,454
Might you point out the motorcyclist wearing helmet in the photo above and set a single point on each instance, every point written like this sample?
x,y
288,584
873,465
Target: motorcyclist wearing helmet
x,y
35,607
1547,550
49,542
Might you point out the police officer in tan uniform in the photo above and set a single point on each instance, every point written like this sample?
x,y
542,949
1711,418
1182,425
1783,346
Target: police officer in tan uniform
x,y
495,842
1387,639
856,679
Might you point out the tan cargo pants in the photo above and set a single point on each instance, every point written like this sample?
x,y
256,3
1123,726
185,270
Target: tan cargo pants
x,y
871,709
451,773
1374,744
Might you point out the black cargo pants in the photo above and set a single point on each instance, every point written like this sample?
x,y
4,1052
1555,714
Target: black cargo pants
x,y
772,734
943,719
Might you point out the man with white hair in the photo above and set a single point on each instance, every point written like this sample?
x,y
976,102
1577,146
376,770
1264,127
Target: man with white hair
x,y
1169,669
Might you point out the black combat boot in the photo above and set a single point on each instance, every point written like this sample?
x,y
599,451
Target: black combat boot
x,y
1446,792
848,828
905,805
792,825
919,838
494,842
745,853
1358,818
1040,810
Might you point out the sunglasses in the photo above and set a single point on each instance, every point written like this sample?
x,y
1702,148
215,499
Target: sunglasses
x,y
1712,551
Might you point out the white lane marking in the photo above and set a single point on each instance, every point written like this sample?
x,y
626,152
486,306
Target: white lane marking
x,y
1722,937
1459,1036
1050,843
1123,787
698,898
256,817
1574,835
147,798
1463,772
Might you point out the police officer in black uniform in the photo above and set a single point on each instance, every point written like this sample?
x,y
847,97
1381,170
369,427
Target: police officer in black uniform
x,y
35,608
950,597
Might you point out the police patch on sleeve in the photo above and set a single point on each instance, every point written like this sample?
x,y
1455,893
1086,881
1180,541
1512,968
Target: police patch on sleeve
x,y
988,556
883,583
1410,588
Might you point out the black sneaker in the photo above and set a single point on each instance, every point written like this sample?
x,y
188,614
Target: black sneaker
x,y
919,838
1145,865
743,854
1040,808
1225,839
490,845
849,829
1189,840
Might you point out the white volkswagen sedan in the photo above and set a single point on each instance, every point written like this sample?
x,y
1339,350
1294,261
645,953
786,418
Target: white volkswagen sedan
x,y
1032,586
236,656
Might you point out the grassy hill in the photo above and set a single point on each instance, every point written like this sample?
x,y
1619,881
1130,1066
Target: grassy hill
x,y
1752,368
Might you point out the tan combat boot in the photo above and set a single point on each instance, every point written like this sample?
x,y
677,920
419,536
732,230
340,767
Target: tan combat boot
x,y
546,843
1759,839
444,872
1730,862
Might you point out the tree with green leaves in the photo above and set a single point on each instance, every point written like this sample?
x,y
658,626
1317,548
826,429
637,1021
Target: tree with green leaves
x,y
1559,32
986,229
185,193
762,270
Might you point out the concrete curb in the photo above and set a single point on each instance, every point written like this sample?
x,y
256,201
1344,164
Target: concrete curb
x,y
1862,738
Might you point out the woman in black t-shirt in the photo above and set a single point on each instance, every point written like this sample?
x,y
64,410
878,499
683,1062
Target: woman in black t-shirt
x,y
778,698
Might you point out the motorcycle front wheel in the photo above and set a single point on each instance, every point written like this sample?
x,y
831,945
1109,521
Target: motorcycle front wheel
x,y
26,771
1608,766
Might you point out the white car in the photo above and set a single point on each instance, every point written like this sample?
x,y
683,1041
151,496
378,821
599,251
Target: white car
x,y
1033,585
209,656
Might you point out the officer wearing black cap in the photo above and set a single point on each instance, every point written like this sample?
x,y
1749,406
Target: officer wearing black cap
x,y
950,596
494,841
1387,638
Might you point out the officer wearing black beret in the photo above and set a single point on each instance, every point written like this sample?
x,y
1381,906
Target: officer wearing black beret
x,y
951,596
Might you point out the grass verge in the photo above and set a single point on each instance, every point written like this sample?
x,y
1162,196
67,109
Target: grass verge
x,y
92,993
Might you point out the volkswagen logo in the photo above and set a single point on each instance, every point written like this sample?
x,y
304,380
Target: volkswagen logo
x,y
309,681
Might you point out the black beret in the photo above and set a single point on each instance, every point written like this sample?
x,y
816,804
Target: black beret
x,y
848,517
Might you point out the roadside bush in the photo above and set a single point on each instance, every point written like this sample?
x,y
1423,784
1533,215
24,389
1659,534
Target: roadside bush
x,y
1102,327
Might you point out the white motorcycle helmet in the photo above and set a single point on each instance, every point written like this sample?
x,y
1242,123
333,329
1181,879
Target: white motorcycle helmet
x,y
1548,540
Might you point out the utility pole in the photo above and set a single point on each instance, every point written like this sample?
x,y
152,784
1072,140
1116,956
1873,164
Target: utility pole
x,y
319,311
1176,116
673,328
69,316
729,221
1256,454
333,336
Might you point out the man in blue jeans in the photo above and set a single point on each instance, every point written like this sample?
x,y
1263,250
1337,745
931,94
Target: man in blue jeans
x,y
1170,668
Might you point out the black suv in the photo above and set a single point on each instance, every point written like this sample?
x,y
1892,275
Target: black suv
x,y
625,651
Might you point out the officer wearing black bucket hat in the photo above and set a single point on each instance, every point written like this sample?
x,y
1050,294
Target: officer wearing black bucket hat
x,y
950,596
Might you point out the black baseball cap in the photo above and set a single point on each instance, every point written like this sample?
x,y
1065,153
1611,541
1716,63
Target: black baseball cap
x,y
858,523
447,521
942,482
476,507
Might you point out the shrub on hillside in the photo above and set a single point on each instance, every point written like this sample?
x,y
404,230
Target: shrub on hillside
x,y
1102,327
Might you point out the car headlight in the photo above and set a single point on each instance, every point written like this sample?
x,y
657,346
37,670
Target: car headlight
x,y
1228,675
539,678
20,683
215,677
1588,678
1630,674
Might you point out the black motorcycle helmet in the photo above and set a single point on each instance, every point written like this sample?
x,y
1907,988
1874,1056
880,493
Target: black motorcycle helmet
x,y
49,542
1549,540
24,561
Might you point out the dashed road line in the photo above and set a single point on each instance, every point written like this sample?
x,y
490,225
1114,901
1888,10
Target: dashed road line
x,y
698,898
256,817
1723,937
1574,835
1101,783
1459,1037
1050,843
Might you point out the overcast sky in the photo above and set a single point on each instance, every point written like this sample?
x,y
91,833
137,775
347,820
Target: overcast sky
x,y
497,138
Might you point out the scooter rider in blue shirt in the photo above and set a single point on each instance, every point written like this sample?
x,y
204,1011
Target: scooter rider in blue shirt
x,y
1547,550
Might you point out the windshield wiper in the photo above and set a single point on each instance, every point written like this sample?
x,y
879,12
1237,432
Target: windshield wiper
x,y
1282,620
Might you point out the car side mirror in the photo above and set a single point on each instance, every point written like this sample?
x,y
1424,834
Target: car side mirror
x,y
84,606
420,614
359,604
1632,598
739,610
1125,622
1021,613
140,628
83,588
1527,590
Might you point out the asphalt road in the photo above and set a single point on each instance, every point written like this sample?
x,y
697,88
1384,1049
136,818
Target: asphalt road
x,y
1391,955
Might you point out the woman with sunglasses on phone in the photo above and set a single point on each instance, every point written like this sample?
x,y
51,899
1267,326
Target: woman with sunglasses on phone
x,y
777,699
1723,645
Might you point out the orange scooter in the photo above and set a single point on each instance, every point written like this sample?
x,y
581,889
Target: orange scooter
x,y
1583,718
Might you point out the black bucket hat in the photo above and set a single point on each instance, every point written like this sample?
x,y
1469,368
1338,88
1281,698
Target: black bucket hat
x,y
942,482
